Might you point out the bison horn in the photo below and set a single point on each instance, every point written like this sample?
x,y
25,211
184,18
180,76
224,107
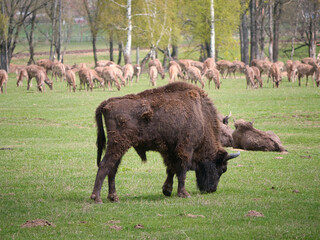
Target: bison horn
x,y
232,155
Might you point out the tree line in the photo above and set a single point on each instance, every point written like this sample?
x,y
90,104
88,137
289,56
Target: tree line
x,y
212,27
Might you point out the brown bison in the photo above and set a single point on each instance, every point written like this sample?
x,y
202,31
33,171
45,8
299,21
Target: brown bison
x,y
245,136
177,120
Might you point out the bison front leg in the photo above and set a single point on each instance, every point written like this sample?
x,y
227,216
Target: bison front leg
x,y
167,186
182,192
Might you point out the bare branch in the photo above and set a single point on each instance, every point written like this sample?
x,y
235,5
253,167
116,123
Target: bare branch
x,y
118,4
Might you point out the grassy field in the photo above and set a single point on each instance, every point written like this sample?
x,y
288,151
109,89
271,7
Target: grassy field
x,y
48,168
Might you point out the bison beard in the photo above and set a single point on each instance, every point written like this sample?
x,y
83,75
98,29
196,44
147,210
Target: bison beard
x,y
178,120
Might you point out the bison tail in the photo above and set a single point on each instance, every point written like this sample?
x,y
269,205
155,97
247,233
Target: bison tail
x,y
101,137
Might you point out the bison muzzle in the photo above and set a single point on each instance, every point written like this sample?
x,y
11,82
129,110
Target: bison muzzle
x,y
177,120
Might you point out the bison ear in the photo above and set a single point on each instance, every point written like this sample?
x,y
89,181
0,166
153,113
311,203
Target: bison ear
x,y
231,155
252,122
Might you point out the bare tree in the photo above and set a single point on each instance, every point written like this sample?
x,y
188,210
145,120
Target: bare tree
x,y
93,12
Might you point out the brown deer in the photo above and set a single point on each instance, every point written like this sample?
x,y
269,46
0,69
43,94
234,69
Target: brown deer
x,y
257,76
3,80
307,70
194,75
213,74
153,74
110,76
58,69
136,72
156,62
275,74
128,72
85,77
174,71
249,77
71,80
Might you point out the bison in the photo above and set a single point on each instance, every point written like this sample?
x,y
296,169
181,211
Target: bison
x,y
245,136
177,120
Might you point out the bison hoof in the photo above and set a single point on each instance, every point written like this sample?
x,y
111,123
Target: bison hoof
x,y
113,197
167,192
184,194
95,198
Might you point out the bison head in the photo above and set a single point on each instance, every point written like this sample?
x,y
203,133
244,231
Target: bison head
x,y
209,172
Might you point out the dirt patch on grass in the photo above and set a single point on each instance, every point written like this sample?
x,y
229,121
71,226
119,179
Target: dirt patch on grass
x,y
253,213
37,223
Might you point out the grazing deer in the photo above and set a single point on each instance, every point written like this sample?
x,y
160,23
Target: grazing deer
x,y
58,69
136,72
3,80
153,74
249,77
85,77
213,74
275,74
110,76
194,75
71,79
128,72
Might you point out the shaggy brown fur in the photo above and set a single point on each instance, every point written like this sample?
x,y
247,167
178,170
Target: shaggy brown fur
x,y
177,120
3,80
245,136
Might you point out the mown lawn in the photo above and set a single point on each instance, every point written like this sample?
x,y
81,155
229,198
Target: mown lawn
x,y
48,168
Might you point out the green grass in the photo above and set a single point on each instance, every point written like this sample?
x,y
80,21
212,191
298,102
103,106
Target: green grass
x,y
50,170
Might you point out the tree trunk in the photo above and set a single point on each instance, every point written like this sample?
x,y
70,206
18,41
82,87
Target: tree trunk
x,y
58,46
111,47
244,40
174,53
271,30
312,34
94,48
166,55
120,52
127,50
30,38
276,25
137,55
253,32
54,34
211,53
262,34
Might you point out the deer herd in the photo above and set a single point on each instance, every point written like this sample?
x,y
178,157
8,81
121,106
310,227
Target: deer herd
x,y
108,73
